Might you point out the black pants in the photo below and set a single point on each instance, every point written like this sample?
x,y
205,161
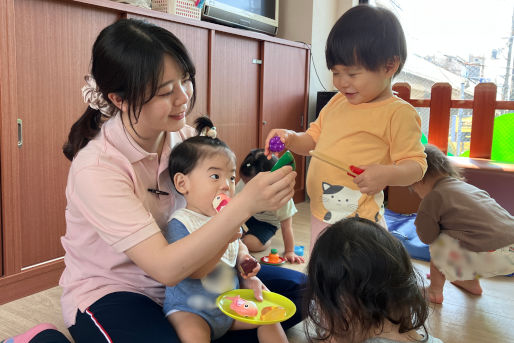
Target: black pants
x,y
126,317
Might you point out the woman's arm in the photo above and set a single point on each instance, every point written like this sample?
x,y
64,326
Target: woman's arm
x,y
209,266
171,263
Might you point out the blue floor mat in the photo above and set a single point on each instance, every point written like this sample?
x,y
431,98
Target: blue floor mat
x,y
402,227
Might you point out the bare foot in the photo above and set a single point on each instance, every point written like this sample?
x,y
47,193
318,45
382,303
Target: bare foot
x,y
471,286
434,296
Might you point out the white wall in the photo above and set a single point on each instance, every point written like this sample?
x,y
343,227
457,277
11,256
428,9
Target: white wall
x,y
310,21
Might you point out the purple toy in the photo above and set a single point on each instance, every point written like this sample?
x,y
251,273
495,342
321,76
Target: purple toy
x,y
276,145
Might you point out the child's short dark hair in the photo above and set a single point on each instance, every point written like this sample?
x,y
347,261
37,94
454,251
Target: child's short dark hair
x,y
256,162
187,154
367,36
438,164
359,276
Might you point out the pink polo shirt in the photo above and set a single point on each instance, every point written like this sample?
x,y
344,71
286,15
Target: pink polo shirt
x,y
109,210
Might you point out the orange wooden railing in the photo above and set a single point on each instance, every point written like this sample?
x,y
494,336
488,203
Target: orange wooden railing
x,y
484,104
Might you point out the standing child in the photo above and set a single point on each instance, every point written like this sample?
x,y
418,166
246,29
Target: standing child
x,y
262,226
470,235
362,287
203,167
364,125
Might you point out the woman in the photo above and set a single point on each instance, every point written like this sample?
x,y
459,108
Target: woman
x,y
120,196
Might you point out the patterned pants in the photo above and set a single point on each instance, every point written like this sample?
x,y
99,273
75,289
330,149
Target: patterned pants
x,y
458,264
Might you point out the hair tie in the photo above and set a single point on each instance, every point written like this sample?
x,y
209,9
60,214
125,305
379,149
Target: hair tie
x,y
209,132
94,98
248,165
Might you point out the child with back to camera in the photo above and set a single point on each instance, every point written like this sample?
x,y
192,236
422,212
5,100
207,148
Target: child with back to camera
x,y
262,226
364,125
469,233
362,287
202,168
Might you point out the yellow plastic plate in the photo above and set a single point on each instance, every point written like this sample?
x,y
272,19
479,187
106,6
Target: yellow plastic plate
x,y
269,299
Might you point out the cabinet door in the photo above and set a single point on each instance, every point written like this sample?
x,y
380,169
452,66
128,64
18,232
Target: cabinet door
x,y
53,52
284,96
196,40
234,90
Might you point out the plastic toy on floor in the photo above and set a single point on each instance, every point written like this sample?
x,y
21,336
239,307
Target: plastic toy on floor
x,y
273,258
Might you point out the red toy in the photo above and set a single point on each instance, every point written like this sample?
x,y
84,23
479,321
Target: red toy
x,y
248,265
220,201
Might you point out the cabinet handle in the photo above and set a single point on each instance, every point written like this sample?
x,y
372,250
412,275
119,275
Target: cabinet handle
x,y
256,61
264,122
20,132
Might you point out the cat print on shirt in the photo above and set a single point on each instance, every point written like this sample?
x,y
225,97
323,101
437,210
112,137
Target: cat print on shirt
x,y
342,202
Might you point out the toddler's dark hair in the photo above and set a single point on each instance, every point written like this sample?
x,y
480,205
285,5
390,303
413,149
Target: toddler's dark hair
x,y
367,36
256,162
438,164
186,155
359,276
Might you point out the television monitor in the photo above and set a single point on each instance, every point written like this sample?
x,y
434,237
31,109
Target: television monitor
x,y
256,15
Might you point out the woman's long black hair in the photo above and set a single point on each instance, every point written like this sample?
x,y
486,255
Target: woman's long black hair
x,y
128,60
359,276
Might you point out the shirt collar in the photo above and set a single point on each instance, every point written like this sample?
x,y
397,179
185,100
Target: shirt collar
x,y
118,136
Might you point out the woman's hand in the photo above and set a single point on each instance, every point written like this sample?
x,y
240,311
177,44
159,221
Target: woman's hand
x,y
256,284
267,191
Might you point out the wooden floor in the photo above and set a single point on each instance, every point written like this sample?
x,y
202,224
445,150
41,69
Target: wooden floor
x,y
462,317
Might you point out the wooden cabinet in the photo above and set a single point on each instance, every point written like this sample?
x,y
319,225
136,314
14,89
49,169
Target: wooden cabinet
x,y
51,61
48,53
244,79
285,85
235,87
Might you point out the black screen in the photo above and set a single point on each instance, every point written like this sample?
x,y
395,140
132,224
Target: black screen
x,y
265,8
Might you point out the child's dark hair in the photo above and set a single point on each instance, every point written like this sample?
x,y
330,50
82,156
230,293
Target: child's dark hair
x,y
367,36
438,164
359,276
128,60
256,162
186,155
